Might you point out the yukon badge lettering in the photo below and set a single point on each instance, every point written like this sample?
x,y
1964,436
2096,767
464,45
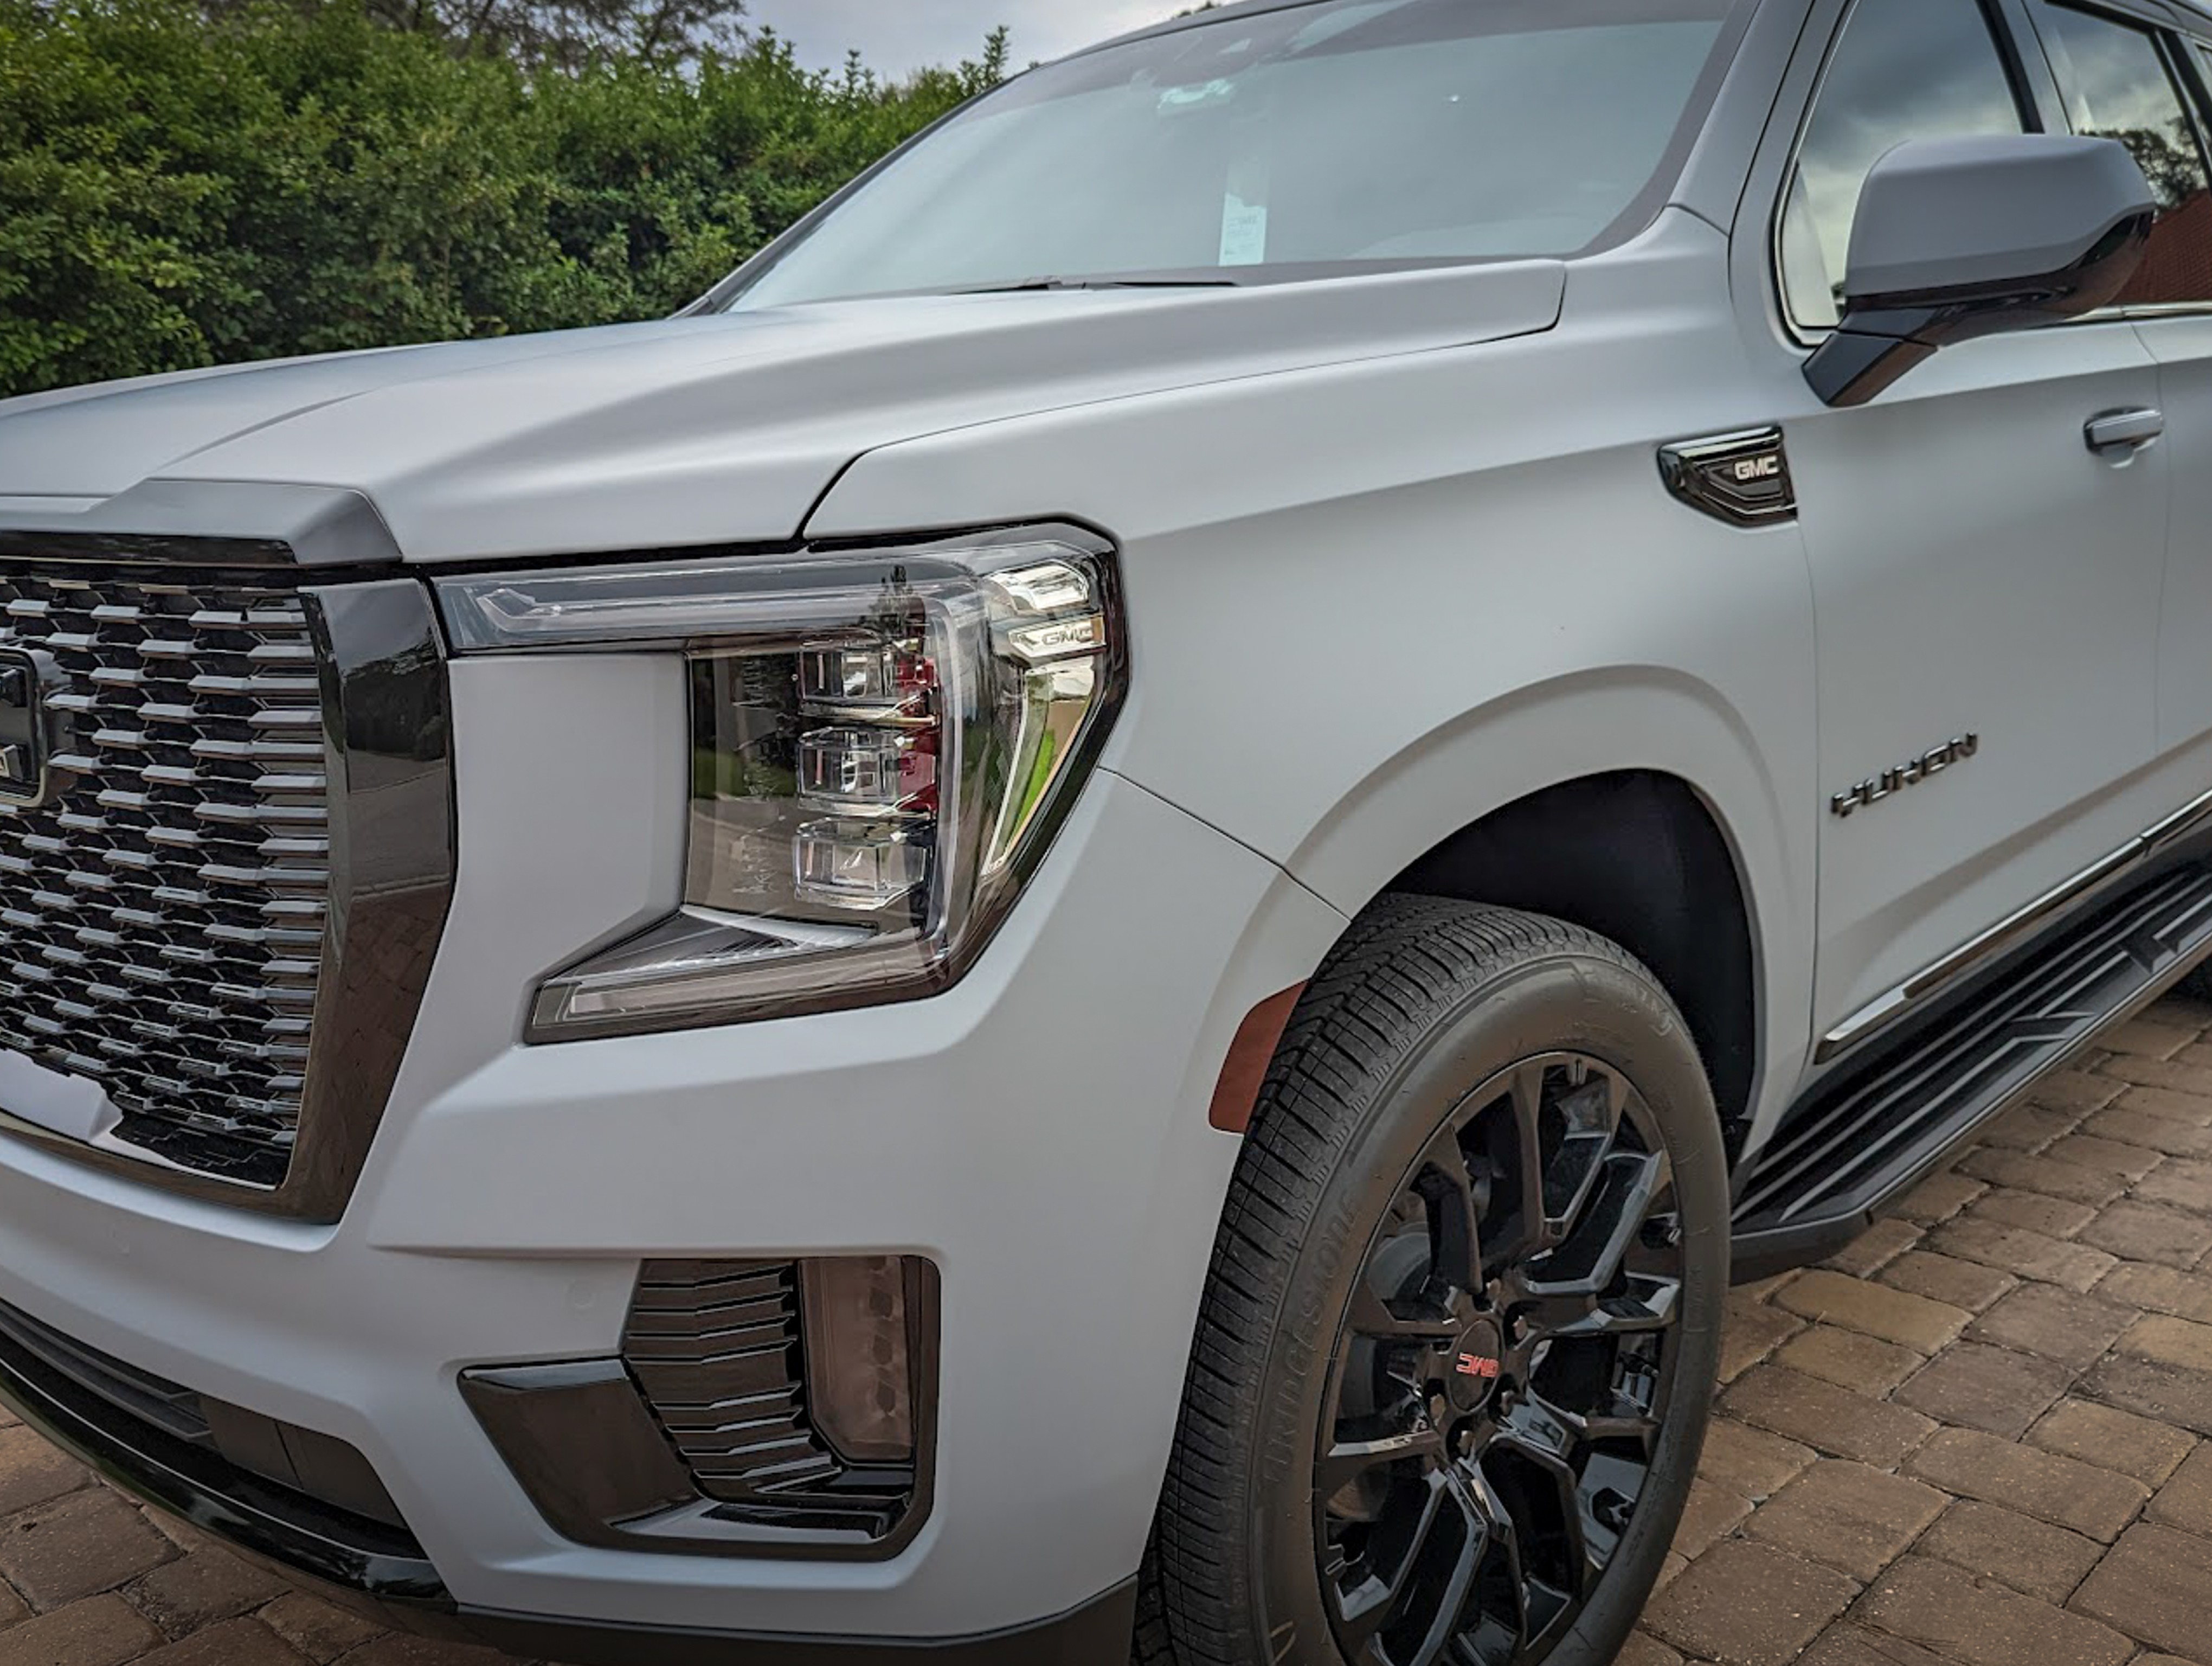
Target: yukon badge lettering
x,y
1890,783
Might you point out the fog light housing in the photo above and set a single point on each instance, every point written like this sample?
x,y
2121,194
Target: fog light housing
x,y
783,1408
861,1376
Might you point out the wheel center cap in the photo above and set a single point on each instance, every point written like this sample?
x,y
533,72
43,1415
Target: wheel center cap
x,y
1471,1371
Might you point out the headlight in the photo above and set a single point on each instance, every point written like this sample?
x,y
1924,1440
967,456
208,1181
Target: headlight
x,y
881,744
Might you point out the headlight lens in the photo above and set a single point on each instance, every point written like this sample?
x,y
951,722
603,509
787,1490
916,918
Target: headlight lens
x,y
881,745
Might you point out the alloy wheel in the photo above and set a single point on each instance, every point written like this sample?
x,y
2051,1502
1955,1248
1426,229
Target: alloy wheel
x,y
1501,1374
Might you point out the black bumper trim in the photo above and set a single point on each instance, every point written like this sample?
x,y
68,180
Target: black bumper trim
x,y
1096,1635
203,1488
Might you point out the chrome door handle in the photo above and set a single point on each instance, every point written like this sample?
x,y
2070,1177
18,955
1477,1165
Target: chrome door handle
x,y
2128,431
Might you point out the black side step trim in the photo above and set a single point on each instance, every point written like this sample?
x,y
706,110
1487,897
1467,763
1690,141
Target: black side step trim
x,y
1862,1139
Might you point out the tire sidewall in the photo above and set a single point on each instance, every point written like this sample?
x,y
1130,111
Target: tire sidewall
x,y
1558,1002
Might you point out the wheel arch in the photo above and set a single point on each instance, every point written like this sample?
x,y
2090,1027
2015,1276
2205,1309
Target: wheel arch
x,y
1638,857
1673,802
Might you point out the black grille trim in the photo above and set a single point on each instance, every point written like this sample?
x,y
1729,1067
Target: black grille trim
x,y
364,686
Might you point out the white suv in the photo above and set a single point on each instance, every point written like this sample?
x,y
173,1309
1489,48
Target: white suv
x,y
1079,923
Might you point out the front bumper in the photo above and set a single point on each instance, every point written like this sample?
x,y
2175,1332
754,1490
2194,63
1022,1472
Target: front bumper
x,y
71,1398
402,1588
1040,1132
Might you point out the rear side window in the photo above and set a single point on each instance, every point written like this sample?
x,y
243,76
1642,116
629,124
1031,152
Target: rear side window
x,y
1901,69
2117,85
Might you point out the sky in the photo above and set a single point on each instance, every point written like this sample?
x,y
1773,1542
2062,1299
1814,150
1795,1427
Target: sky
x,y
897,36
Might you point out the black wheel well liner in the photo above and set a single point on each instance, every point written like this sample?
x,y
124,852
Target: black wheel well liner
x,y
1636,857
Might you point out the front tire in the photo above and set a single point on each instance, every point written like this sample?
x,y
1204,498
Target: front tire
x,y
1453,1362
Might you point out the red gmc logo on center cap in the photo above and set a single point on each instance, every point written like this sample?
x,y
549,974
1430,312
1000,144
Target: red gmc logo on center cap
x,y
1473,1364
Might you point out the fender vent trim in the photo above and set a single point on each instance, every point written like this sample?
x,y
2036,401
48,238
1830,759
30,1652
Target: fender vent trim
x,y
1742,479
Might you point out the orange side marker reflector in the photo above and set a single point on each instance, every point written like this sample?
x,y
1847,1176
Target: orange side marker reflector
x,y
1238,1090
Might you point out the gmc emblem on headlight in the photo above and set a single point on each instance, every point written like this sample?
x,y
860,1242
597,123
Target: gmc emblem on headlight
x,y
27,735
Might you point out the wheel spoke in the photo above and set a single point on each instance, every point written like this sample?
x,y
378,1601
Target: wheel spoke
x,y
1527,1093
1617,1422
1451,1603
1347,1461
1540,1430
1455,1215
1564,1292
1370,1607
1504,1543
1371,1316
1591,1111
1546,1446
1574,1312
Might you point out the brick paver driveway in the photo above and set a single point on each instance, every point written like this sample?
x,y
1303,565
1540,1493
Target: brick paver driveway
x,y
1973,1439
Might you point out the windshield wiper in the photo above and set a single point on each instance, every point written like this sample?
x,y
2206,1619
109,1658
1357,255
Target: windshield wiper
x,y
1036,284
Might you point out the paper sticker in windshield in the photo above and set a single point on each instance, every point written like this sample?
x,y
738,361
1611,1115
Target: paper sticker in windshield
x,y
1243,232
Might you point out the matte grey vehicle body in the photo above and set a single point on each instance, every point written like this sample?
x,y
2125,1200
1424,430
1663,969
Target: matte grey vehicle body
x,y
1874,729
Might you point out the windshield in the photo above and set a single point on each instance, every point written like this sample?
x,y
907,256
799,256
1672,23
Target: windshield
x,y
1302,142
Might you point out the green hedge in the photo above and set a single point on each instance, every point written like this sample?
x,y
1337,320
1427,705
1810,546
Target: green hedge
x,y
176,191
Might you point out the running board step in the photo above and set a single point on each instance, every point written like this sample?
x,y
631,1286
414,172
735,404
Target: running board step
x,y
1866,1135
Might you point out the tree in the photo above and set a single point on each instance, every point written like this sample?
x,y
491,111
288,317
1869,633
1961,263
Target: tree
x,y
2170,160
178,189
560,35
568,35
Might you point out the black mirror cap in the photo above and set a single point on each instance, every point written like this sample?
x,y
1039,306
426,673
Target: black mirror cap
x,y
1959,238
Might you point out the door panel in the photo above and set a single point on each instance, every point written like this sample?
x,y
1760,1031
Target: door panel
x,y
2183,347
1985,584
1978,571
2121,81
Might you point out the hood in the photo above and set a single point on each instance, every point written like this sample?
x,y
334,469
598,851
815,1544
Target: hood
x,y
702,430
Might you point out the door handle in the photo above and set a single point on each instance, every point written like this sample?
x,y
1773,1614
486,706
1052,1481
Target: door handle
x,y
2125,432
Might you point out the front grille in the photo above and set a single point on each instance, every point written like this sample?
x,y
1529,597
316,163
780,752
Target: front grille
x,y
164,915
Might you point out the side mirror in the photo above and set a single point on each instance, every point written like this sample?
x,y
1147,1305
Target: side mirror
x,y
1959,238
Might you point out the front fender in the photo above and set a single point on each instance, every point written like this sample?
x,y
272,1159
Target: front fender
x,y
1370,603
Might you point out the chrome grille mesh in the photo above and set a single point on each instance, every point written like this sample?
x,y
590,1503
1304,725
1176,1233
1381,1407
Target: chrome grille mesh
x,y
161,921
